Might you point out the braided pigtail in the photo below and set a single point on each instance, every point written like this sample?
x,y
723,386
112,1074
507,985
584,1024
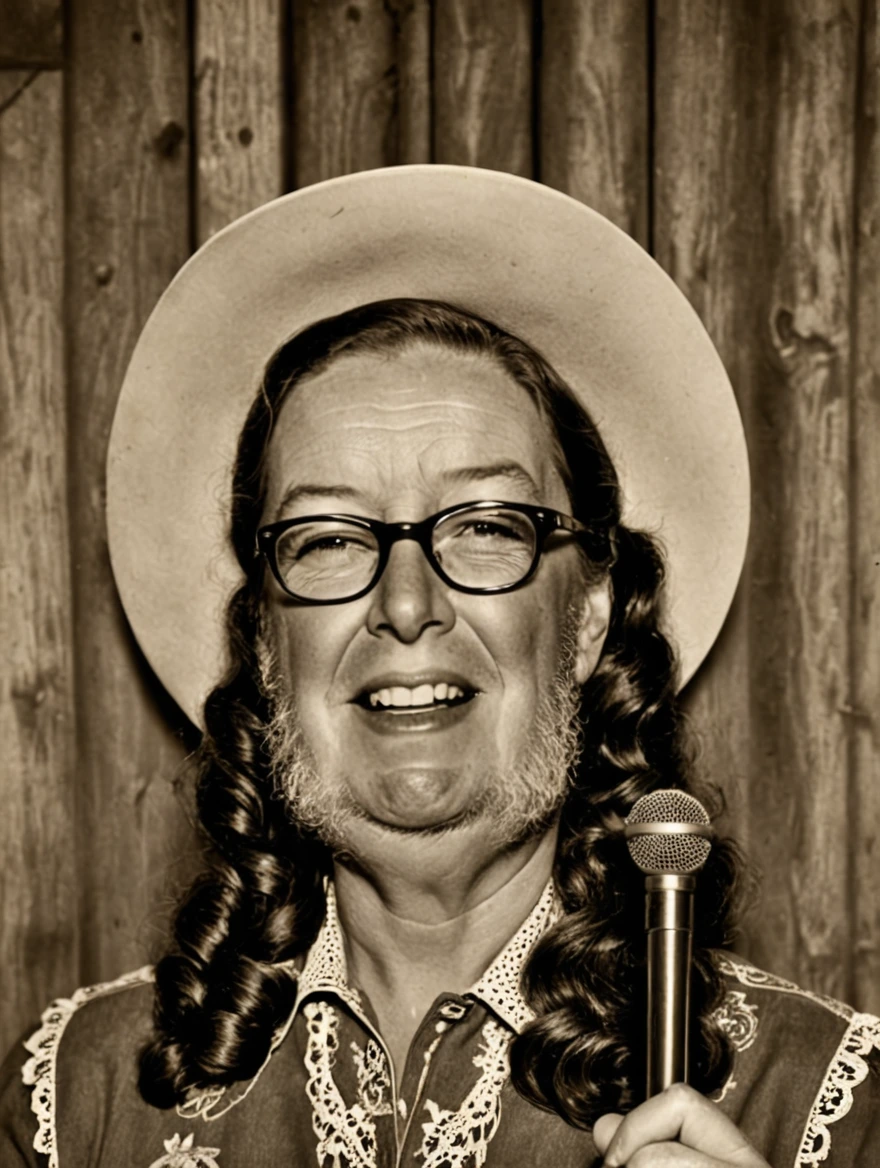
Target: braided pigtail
x,y
222,991
585,980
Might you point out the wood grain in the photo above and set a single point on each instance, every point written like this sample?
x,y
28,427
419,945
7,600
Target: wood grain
x,y
239,101
31,34
594,101
128,232
762,202
708,232
413,71
39,935
864,621
483,84
344,85
772,93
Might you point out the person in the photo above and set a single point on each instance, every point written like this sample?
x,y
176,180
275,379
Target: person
x,y
448,661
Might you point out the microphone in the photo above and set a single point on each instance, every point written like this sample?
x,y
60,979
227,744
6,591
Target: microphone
x,y
669,835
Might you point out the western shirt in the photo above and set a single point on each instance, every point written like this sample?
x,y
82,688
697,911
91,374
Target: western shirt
x,y
805,1084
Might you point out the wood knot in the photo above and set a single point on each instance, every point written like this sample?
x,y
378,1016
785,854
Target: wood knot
x,y
245,135
167,141
793,345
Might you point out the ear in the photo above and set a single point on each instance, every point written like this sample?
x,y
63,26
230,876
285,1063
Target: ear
x,y
592,628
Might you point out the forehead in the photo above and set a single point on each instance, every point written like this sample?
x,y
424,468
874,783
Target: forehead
x,y
408,424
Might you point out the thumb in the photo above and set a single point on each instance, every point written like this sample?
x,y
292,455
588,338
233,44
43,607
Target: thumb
x,y
604,1129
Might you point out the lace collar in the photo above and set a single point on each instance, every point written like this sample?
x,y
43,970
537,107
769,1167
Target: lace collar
x,y
498,989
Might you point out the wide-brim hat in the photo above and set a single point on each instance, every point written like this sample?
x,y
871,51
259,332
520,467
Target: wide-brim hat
x,y
536,262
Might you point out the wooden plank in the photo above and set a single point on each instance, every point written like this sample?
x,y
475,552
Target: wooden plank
x,y
769,266
865,614
38,918
31,34
414,98
239,101
594,107
361,86
483,84
704,69
128,232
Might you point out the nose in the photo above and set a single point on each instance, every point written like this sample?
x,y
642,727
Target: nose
x,y
410,597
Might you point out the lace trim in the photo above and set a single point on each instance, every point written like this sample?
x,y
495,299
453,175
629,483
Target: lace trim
x,y
846,1070
748,975
39,1070
499,987
326,968
346,1134
456,1139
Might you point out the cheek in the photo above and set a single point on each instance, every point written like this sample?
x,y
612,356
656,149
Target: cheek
x,y
307,646
524,636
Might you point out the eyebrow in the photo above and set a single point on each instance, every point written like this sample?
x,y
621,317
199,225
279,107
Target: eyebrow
x,y
512,471
314,491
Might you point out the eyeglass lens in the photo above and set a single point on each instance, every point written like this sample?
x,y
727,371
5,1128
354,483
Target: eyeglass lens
x,y
330,559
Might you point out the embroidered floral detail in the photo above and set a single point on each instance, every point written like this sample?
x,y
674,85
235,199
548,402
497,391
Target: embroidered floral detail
x,y
738,1019
347,1135
499,986
846,1070
748,975
39,1070
200,1102
460,1139
723,1091
374,1085
182,1154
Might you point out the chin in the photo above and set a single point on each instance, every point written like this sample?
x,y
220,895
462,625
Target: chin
x,y
421,799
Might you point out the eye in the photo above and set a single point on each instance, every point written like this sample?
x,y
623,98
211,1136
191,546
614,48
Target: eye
x,y
331,543
492,528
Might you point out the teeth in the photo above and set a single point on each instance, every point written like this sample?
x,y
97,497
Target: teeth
x,y
401,696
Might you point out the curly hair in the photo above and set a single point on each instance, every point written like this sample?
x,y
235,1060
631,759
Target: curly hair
x,y
223,989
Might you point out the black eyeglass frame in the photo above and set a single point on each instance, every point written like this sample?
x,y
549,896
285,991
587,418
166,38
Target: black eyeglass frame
x,y
544,520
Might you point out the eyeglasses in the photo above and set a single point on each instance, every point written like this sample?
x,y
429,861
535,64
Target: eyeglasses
x,y
482,547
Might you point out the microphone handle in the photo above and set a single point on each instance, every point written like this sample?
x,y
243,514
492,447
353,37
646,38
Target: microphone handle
x,y
669,921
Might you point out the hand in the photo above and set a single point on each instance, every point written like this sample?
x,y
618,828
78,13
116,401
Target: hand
x,y
679,1128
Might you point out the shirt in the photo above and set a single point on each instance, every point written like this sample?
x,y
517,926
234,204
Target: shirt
x,y
805,1084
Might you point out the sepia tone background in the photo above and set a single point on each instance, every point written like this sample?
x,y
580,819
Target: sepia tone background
x,y
734,138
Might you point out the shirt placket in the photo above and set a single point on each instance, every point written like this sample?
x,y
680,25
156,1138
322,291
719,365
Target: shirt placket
x,y
423,1063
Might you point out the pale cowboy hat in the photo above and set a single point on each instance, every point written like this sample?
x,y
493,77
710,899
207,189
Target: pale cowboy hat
x,y
532,260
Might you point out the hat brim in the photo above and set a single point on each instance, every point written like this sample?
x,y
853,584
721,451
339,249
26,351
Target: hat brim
x,y
534,261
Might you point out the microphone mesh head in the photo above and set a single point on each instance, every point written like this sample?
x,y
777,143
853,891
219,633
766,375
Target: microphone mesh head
x,y
668,852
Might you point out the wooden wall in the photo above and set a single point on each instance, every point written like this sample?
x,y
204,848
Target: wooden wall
x,y
735,138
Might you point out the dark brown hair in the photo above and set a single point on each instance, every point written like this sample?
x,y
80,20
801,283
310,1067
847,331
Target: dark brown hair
x,y
221,993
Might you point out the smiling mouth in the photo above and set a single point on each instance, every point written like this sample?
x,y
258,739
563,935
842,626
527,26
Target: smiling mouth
x,y
401,699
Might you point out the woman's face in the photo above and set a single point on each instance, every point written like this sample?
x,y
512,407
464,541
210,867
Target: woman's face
x,y
399,438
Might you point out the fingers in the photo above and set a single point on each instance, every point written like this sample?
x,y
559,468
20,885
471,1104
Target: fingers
x,y
679,1114
672,1156
604,1129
